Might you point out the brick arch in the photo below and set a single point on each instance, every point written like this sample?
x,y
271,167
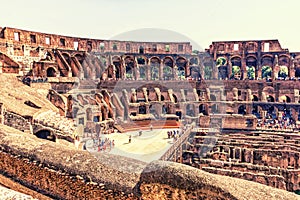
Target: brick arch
x,y
155,57
168,57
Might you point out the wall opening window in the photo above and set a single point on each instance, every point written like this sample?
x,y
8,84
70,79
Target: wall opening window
x,y
180,47
141,50
102,45
251,47
17,36
154,47
236,47
75,45
266,47
221,47
115,47
32,38
89,46
47,40
167,47
62,42
127,47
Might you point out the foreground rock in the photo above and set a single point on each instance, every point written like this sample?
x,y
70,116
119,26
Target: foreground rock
x,y
62,172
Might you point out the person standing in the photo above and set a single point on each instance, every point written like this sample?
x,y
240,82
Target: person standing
x,y
129,141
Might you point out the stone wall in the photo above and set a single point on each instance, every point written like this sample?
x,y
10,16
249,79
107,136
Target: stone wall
x,y
61,172
17,122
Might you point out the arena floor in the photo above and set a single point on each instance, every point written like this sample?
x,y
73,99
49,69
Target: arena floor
x,y
151,145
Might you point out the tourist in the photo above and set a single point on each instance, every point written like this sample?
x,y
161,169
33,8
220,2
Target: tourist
x,y
129,141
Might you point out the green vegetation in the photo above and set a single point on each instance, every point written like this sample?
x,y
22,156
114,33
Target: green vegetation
x,y
221,61
283,71
266,72
250,72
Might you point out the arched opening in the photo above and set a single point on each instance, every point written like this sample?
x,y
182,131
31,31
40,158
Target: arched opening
x,y
153,111
215,108
256,112
190,110
236,68
266,69
221,64
270,98
45,134
141,61
154,68
242,110
254,98
213,97
194,61
142,109
208,70
251,64
129,68
162,98
203,109
89,114
168,69
142,71
179,114
141,50
175,98
195,73
181,65
165,109
117,63
283,72
51,72
283,63
285,99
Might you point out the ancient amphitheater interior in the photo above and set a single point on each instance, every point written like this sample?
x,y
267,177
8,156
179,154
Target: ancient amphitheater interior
x,y
230,114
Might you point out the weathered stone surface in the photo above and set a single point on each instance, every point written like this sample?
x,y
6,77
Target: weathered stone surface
x,y
59,171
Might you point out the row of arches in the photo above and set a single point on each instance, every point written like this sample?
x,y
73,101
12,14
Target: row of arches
x,y
233,68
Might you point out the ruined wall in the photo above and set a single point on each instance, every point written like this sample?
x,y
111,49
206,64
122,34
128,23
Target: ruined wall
x,y
18,122
61,172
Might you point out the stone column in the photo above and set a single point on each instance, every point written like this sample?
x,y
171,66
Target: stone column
x,y
229,68
175,72
1,65
161,66
244,68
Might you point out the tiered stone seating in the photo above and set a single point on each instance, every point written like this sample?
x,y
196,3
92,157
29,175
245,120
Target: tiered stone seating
x,y
54,120
258,156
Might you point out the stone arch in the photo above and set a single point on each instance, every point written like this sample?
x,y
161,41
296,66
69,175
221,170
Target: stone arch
x,y
194,61
285,99
142,109
116,61
221,63
213,97
255,98
242,110
203,108
251,65
181,67
270,98
267,66
284,66
51,72
168,64
154,67
129,67
195,73
45,134
236,69
190,110
208,69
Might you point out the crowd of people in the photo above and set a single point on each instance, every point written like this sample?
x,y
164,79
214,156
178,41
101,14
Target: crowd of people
x,y
272,121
